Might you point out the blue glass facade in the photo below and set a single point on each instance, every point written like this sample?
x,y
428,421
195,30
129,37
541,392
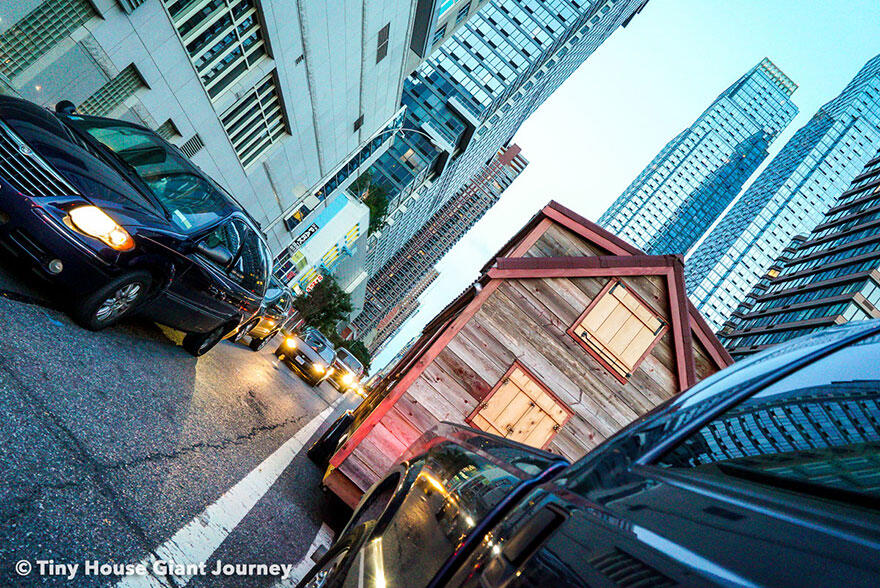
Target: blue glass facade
x,y
789,197
830,277
491,75
692,180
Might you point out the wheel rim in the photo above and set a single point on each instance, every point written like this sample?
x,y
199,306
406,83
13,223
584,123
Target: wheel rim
x,y
319,580
119,302
261,344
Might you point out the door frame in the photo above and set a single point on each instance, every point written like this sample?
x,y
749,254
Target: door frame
x,y
516,364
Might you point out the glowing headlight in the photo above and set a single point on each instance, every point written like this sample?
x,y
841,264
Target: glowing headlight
x,y
271,323
93,221
318,368
290,342
348,379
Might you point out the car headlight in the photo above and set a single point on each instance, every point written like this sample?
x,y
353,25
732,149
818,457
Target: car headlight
x,y
93,221
271,323
290,342
318,368
348,379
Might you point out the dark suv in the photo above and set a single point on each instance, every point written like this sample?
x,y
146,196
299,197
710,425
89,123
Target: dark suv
x,y
764,474
121,221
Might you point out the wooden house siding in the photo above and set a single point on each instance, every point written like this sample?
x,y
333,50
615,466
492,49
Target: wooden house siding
x,y
526,321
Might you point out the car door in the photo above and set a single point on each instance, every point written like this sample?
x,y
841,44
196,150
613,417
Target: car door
x,y
203,295
249,271
781,488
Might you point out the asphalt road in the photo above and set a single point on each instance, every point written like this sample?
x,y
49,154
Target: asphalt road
x,y
111,442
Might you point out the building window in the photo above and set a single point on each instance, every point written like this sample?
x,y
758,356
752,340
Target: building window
x,y
382,43
40,30
438,35
462,13
619,329
113,93
168,130
224,38
255,121
521,409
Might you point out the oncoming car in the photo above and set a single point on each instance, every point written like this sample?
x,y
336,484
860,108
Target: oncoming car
x,y
120,221
347,371
274,315
311,356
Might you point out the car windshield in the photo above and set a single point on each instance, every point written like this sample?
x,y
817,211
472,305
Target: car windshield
x,y
317,342
191,199
351,361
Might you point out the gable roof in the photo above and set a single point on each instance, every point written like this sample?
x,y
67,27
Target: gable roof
x,y
622,259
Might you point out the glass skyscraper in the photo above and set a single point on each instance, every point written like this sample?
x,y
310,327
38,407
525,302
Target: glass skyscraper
x,y
698,173
789,197
828,278
491,75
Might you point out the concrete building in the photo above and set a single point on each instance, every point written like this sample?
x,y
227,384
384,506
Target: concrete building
x,y
399,314
283,102
698,173
479,86
397,278
828,278
788,198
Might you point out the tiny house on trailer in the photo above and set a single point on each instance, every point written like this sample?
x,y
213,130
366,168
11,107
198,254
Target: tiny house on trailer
x,y
568,334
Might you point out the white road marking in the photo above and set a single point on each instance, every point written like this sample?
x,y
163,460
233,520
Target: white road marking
x,y
197,541
323,539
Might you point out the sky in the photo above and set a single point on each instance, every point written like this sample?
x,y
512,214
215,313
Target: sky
x,y
645,84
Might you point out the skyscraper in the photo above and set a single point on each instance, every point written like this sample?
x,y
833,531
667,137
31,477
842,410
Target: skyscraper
x,y
400,313
789,197
491,75
828,278
417,258
698,173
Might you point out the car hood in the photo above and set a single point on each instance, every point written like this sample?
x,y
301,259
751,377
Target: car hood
x,y
96,181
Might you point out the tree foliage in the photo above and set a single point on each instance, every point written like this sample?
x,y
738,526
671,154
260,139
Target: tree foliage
x,y
324,306
375,196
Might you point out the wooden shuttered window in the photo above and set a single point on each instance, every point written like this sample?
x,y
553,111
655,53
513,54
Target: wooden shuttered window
x,y
619,329
521,409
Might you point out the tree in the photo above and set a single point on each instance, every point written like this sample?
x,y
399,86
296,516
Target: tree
x,y
375,196
324,306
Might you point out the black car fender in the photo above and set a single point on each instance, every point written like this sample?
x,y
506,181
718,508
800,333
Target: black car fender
x,y
382,500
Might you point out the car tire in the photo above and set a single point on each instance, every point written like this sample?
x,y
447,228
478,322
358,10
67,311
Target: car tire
x,y
242,331
113,301
323,449
331,570
256,343
198,344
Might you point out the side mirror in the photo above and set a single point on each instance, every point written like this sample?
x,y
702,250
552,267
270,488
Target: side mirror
x,y
217,254
65,107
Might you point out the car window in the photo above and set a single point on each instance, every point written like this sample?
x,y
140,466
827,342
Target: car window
x,y
815,432
323,347
189,198
251,267
224,235
350,360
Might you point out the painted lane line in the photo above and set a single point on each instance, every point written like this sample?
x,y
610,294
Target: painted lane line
x,y
197,541
323,539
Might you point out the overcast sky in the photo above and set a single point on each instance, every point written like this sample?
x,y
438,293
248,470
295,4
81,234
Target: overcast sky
x,y
645,84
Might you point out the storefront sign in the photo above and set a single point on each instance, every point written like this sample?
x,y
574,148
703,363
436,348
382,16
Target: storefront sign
x,y
299,241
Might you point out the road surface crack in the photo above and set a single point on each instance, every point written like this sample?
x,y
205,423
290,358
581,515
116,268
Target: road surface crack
x,y
240,439
25,502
